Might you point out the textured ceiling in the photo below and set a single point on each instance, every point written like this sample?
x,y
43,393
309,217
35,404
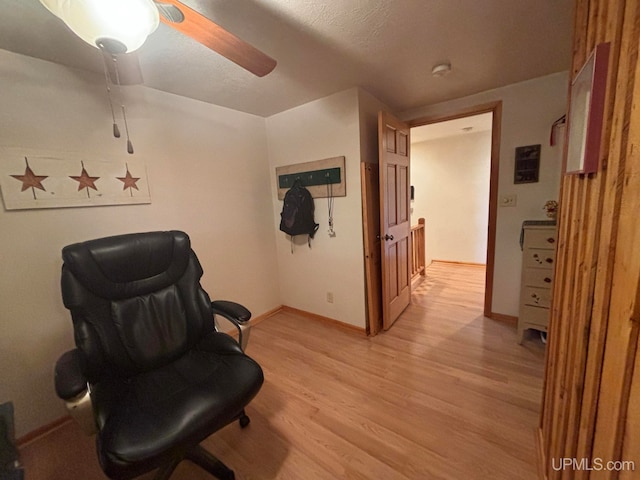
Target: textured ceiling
x,y
388,47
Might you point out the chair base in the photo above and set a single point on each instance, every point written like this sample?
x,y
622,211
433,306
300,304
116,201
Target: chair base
x,y
203,459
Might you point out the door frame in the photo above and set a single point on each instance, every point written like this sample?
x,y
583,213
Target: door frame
x,y
496,109
372,250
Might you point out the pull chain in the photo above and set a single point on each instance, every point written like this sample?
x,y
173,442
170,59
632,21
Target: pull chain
x,y
116,130
124,113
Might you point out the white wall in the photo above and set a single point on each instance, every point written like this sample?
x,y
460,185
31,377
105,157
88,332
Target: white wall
x,y
528,111
328,127
209,175
451,180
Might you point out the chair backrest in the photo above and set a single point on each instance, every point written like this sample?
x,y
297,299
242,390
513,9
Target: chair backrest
x,y
135,300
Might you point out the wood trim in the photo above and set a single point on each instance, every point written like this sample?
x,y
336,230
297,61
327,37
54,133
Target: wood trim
x,y
465,112
501,317
493,204
454,262
270,313
253,322
42,431
496,109
326,320
370,192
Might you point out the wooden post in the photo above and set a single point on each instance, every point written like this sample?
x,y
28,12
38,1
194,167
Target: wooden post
x,y
423,247
418,257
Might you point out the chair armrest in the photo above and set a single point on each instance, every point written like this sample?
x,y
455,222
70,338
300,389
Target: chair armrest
x,y
238,315
233,311
72,386
70,381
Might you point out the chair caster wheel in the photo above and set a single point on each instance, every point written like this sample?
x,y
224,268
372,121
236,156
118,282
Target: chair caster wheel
x,y
244,421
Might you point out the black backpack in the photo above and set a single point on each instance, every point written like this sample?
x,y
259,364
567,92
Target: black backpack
x,y
297,212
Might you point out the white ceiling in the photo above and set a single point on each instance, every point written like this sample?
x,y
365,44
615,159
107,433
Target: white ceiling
x,y
388,47
451,128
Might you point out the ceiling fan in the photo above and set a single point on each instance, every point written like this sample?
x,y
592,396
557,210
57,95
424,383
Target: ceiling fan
x,y
122,26
117,27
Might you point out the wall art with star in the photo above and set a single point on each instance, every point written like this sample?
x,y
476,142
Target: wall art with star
x,y
37,179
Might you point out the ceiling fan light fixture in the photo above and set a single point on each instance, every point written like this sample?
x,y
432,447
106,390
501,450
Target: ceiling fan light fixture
x,y
127,22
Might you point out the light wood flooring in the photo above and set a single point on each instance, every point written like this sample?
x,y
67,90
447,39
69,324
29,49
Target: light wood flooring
x,y
445,394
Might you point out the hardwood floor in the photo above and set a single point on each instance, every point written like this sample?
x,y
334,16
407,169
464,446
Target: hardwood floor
x,y
445,394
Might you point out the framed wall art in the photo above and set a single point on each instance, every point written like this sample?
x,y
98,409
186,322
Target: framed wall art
x,y
586,111
527,164
51,179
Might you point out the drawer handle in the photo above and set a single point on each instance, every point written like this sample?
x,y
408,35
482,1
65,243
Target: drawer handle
x,y
547,279
535,297
551,240
549,260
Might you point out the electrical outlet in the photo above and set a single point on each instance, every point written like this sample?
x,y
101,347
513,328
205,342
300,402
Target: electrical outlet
x,y
329,297
509,200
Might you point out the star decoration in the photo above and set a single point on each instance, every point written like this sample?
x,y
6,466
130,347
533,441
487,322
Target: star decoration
x,y
129,180
85,181
29,179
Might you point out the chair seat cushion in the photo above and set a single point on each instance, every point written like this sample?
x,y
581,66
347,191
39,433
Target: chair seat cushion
x,y
142,418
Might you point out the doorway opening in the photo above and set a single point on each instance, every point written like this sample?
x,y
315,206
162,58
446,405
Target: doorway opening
x,y
450,179
372,189
455,161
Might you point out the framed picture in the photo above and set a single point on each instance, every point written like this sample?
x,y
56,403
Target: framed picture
x,y
586,111
527,164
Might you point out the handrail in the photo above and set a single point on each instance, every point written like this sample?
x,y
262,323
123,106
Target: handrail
x,y
418,249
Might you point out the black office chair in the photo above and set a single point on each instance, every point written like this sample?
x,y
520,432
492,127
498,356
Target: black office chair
x,y
150,371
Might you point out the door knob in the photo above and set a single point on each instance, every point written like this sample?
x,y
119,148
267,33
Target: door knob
x,y
388,237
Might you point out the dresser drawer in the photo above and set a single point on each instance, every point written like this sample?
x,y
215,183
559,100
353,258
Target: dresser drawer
x,y
538,277
544,238
538,240
537,297
534,317
535,257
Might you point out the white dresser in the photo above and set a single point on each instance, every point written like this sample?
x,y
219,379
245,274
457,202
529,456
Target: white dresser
x,y
538,243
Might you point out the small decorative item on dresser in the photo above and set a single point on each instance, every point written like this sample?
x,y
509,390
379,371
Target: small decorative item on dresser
x,y
552,208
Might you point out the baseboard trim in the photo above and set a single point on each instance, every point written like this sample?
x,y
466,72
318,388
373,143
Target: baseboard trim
x,y
326,320
42,431
501,317
253,322
260,318
453,262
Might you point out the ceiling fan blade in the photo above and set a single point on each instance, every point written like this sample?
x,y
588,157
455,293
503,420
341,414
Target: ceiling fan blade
x,y
213,36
